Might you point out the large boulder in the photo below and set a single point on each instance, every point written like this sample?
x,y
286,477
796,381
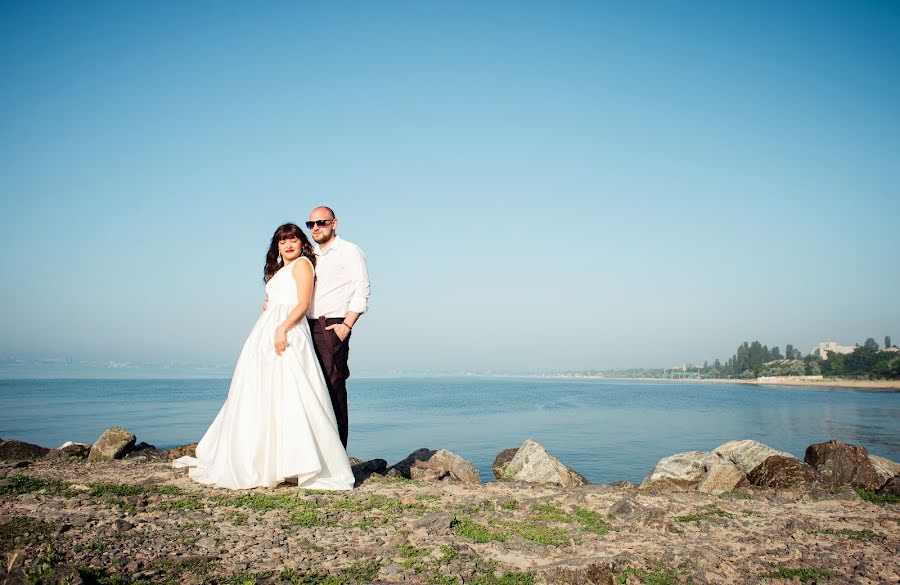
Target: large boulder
x,y
146,452
747,453
782,472
839,464
884,467
680,472
12,450
532,464
112,444
428,465
501,461
721,478
189,450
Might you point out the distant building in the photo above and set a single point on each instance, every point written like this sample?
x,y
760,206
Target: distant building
x,y
823,348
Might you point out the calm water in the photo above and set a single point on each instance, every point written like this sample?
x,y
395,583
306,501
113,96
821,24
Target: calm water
x,y
606,429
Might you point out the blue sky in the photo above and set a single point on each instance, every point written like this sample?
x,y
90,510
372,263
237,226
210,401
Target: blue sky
x,y
536,185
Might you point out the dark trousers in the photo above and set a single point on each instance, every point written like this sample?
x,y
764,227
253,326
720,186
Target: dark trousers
x,y
333,354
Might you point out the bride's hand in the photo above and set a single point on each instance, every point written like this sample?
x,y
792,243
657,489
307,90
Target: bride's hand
x,y
281,341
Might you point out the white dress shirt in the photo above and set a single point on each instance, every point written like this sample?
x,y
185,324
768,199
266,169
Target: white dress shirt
x,y
342,281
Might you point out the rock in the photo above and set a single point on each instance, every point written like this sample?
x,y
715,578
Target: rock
x,y
885,468
778,471
112,444
190,450
532,464
401,468
680,472
354,461
630,511
891,488
501,460
364,469
457,467
623,484
12,450
69,450
839,464
428,465
721,478
747,454
146,452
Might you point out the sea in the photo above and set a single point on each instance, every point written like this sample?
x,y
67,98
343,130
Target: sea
x,y
606,429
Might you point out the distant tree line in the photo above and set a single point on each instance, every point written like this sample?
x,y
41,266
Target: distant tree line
x,y
753,360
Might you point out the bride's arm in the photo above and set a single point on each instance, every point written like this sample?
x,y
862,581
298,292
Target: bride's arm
x,y
305,278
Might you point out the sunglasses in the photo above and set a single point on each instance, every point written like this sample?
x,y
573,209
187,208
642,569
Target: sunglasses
x,y
318,222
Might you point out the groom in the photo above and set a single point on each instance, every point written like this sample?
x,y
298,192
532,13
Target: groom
x,y
339,298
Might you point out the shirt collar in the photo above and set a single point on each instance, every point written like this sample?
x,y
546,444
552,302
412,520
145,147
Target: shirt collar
x,y
335,243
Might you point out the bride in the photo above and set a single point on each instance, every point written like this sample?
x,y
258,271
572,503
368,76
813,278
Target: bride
x,y
277,421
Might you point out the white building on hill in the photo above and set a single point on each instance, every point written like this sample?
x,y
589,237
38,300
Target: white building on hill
x,y
823,348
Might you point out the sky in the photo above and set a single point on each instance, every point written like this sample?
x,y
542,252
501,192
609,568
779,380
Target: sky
x,y
536,185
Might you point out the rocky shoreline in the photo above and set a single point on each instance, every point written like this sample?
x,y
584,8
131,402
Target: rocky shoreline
x,y
119,512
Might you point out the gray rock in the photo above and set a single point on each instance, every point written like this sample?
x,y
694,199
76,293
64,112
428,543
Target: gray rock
x,y
630,511
680,472
532,464
112,444
146,452
747,454
839,464
12,450
721,478
501,460
783,472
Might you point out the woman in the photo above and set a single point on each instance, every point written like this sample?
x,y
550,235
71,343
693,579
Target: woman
x,y
277,421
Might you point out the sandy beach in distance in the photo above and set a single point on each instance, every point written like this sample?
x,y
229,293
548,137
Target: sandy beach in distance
x,y
871,384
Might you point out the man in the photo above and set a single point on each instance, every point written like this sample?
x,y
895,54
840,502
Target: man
x,y
339,298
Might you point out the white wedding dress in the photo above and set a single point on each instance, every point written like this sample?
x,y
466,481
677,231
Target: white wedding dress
x,y
277,421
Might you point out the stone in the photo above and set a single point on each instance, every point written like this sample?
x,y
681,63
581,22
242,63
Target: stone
x,y
782,472
747,454
112,444
189,450
884,467
630,511
501,460
680,472
721,478
12,450
532,464
363,470
428,465
891,488
839,464
146,452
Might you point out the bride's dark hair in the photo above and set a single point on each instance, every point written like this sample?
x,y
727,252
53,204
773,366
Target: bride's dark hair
x,y
286,232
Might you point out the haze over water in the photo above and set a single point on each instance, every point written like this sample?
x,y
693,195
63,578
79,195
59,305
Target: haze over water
x,y
605,429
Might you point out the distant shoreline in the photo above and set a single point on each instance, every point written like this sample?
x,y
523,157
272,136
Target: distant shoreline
x,y
869,384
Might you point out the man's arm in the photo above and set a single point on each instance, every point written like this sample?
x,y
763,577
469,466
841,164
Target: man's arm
x,y
359,296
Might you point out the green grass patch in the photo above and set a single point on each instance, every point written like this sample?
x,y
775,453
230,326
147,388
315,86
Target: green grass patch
x,y
304,517
507,578
871,496
97,545
509,505
540,533
128,489
363,572
805,574
468,528
378,502
550,512
425,497
591,521
237,518
25,484
448,554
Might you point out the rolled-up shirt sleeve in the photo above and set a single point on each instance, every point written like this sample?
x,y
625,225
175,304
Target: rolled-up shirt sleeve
x,y
359,281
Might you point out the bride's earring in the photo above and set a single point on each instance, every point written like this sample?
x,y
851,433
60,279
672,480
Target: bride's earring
x,y
279,259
